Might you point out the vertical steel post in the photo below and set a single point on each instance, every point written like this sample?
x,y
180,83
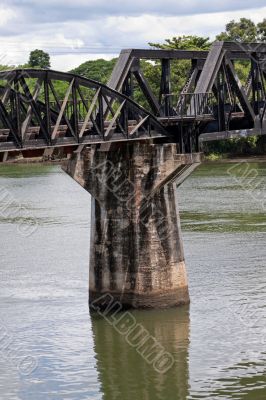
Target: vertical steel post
x,y
166,86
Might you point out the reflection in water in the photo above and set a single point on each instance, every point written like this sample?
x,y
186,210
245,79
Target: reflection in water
x,y
124,374
219,344
244,388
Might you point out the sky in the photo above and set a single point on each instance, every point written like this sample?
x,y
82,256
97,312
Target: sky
x,y
74,31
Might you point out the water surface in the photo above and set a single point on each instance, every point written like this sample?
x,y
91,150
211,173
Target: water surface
x,y
51,348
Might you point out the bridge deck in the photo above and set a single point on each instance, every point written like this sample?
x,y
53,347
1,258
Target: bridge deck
x,y
47,109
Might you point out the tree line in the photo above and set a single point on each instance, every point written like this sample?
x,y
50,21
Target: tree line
x,y
243,30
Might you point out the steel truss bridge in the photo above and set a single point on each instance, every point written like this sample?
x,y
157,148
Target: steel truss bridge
x,y
44,110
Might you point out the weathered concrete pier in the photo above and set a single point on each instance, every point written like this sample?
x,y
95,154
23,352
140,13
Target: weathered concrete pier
x,y
136,246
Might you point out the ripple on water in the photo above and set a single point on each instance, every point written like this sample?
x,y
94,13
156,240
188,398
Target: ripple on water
x,y
218,343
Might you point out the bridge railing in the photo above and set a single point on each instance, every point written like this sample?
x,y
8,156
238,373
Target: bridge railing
x,y
190,105
195,104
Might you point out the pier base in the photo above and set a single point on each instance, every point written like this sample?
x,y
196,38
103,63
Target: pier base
x,y
136,251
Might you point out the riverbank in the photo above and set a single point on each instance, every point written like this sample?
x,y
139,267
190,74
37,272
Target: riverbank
x,y
206,160
35,160
234,159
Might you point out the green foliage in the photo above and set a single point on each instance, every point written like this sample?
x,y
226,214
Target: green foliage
x,y
261,30
242,69
98,70
213,157
189,42
39,59
179,68
243,30
252,145
5,67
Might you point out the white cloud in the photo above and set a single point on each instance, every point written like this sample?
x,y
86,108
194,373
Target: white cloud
x,y
71,42
6,15
69,10
210,24
68,62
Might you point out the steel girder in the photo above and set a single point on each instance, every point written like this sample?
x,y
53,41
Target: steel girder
x,y
213,99
44,108
47,109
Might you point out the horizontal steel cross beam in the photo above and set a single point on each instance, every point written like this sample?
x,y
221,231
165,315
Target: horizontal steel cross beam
x,y
49,109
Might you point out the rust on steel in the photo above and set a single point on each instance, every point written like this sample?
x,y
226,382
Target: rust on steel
x,y
41,110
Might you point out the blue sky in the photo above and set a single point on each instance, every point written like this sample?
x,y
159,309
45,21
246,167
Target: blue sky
x,y
77,30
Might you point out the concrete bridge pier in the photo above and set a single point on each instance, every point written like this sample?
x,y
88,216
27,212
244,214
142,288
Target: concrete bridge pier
x,y
136,250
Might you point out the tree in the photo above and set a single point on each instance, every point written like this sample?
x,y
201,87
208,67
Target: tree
x,y
100,70
242,31
5,67
39,58
189,42
180,69
262,30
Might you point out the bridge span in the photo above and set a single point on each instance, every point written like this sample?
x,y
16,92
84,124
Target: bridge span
x,y
41,110
131,157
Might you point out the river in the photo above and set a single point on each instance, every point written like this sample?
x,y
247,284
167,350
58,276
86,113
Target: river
x,y
52,349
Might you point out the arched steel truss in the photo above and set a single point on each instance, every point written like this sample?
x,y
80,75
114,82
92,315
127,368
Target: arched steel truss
x,y
42,109
45,108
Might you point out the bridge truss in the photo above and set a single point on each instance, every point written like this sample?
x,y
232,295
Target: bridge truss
x,y
44,109
217,100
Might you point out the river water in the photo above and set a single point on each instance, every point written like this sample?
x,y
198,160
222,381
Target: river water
x,y
52,349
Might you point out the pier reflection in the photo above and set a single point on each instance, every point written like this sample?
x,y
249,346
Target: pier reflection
x,y
125,374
